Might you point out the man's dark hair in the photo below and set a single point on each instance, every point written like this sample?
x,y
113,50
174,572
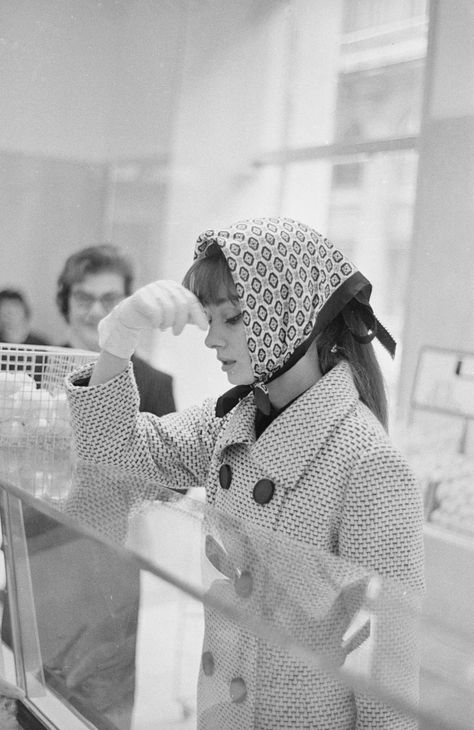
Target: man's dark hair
x,y
15,295
92,260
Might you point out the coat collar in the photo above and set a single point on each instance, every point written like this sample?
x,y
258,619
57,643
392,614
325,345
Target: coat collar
x,y
287,446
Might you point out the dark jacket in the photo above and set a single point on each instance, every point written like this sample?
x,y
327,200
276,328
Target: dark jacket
x,y
155,388
35,339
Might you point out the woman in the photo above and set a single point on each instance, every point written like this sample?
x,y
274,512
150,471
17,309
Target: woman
x,y
297,451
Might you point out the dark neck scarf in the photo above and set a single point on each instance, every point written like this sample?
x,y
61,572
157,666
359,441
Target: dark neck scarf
x,y
232,397
265,413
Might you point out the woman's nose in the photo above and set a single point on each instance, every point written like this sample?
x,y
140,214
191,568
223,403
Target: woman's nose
x,y
213,337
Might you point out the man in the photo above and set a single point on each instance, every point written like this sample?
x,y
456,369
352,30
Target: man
x,y
92,608
15,319
92,282
15,328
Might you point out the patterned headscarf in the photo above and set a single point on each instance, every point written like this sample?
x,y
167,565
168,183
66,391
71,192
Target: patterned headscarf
x,y
291,283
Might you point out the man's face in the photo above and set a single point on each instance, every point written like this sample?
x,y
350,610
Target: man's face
x,y
14,324
90,301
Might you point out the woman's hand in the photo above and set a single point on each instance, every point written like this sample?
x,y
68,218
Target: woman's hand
x,y
160,305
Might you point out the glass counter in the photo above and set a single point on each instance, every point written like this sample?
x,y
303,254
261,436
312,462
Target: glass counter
x,y
106,605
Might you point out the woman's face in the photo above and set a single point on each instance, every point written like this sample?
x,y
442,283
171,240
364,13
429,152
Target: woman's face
x,y
226,336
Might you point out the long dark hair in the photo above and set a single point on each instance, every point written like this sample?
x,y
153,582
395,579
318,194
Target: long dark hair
x,y
336,343
210,275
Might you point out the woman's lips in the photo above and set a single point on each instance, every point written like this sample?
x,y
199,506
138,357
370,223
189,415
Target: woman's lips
x,y
227,364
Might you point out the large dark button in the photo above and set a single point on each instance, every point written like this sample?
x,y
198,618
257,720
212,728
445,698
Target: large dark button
x,y
207,663
243,584
238,690
225,476
263,491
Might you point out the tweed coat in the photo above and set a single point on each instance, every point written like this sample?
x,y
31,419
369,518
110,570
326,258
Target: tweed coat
x,y
324,478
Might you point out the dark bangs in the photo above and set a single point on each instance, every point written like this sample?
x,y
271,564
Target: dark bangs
x,y
209,278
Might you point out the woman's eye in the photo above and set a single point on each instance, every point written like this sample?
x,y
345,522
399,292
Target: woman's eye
x,y
235,319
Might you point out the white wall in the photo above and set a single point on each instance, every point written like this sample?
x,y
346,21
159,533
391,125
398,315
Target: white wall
x,y
57,64
229,109
83,82
452,92
89,80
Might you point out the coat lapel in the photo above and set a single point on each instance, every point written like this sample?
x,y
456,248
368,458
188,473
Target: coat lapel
x,y
240,428
292,441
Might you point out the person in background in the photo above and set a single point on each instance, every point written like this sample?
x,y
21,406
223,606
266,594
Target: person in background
x,y
15,319
92,281
101,591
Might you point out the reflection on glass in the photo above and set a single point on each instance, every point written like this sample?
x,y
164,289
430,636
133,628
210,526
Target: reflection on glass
x,y
138,614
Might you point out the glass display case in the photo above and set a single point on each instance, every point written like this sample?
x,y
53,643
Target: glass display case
x,y
107,605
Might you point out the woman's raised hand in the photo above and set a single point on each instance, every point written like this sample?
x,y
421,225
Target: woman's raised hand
x,y
159,305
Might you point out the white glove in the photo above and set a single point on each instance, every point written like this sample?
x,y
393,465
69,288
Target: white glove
x,y
159,305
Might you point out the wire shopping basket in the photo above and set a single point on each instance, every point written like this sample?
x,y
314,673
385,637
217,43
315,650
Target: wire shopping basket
x,y
33,407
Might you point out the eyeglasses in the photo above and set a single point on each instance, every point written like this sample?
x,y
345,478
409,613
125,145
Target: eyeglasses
x,y
84,300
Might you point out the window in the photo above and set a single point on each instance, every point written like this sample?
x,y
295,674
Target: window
x,y
349,160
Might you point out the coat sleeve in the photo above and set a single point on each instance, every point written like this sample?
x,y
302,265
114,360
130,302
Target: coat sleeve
x,y
382,530
173,451
382,520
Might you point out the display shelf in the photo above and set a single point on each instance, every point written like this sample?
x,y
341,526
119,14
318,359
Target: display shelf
x,y
449,496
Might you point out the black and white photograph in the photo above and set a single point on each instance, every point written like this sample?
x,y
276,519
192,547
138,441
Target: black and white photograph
x,y
236,364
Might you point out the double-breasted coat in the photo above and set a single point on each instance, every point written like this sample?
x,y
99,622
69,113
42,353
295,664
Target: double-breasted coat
x,y
322,481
